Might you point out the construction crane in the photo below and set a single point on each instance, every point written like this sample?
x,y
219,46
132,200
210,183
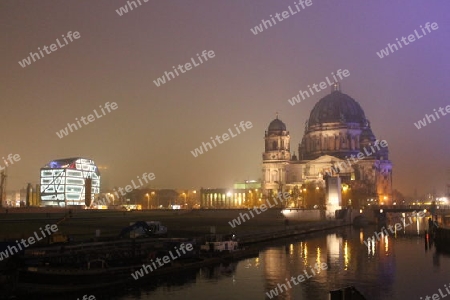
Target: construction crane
x,y
448,182
3,186
59,237
65,217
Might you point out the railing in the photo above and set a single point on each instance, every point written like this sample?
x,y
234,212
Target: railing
x,y
417,207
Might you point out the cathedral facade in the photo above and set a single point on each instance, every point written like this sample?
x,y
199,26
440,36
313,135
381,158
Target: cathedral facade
x,y
337,141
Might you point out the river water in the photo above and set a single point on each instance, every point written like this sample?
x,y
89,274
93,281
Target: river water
x,y
398,266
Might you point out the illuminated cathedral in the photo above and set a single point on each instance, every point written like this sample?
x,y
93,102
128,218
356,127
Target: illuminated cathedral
x,y
337,130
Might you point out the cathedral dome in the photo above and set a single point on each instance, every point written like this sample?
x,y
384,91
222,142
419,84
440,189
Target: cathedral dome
x,y
277,125
337,107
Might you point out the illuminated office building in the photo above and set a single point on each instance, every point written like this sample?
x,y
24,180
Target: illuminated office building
x,y
63,181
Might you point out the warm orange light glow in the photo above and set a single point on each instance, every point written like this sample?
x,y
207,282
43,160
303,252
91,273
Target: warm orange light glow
x,y
344,187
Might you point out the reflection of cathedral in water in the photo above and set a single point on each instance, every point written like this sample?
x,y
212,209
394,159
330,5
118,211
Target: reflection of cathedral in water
x,y
344,253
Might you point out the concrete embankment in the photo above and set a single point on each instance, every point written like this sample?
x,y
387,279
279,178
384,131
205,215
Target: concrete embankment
x,y
85,224
279,233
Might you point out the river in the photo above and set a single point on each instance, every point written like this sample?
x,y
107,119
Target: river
x,y
397,266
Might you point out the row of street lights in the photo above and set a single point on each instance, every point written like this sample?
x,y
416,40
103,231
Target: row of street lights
x,y
184,194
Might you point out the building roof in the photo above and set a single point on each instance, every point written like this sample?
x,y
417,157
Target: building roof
x,y
70,163
277,125
335,108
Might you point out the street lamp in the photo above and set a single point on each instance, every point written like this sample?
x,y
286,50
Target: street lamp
x,y
304,197
184,194
345,196
194,201
153,194
148,201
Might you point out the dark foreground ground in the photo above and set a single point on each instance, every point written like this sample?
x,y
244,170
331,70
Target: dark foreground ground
x,y
181,223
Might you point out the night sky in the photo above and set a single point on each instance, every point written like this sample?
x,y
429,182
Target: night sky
x,y
251,77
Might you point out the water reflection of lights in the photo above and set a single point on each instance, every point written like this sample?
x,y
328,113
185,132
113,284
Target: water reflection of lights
x,y
335,250
318,258
404,222
346,256
249,263
386,244
291,249
418,227
361,236
371,247
305,254
395,230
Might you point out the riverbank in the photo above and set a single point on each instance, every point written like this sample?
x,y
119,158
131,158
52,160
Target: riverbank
x,y
102,224
292,230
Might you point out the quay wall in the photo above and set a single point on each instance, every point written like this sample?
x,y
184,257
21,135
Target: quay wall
x,y
288,231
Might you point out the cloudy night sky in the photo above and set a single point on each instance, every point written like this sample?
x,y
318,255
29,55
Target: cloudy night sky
x,y
154,129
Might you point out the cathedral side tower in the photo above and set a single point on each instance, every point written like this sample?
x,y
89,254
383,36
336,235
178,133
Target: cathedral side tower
x,y
276,156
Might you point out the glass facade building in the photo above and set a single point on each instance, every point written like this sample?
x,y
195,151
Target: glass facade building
x,y
63,181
